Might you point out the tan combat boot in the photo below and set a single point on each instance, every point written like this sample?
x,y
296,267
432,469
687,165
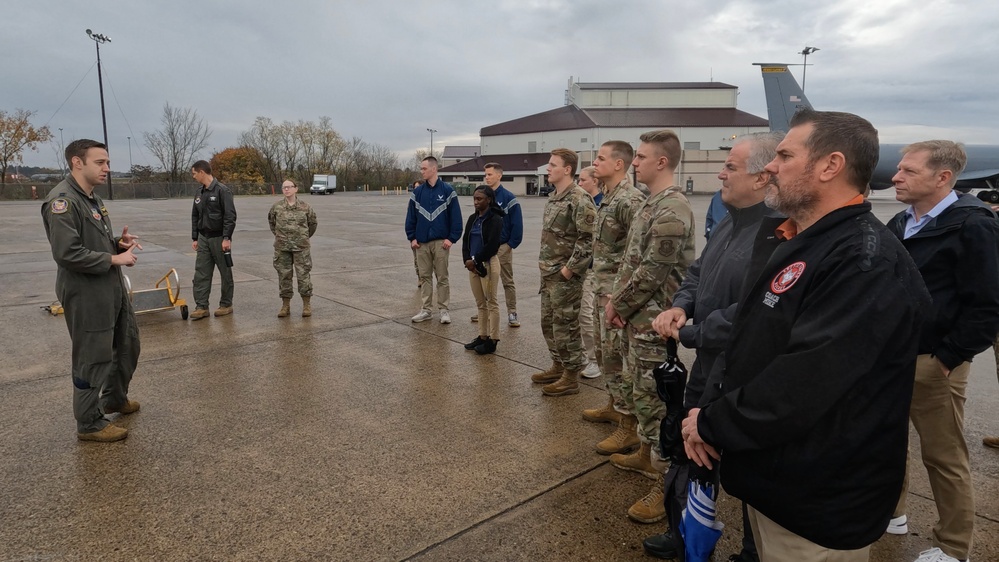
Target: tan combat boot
x,y
604,414
624,438
650,508
285,308
640,461
129,407
306,307
551,375
568,383
109,434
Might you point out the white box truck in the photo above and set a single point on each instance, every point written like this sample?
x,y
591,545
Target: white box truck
x,y
323,184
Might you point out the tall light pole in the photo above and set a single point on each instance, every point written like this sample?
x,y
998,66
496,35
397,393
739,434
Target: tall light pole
x,y
431,131
98,39
62,155
804,67
129,154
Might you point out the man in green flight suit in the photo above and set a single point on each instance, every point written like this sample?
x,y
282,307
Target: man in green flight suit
x,y
90,287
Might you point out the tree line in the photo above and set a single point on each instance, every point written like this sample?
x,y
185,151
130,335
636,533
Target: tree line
x,y
267,153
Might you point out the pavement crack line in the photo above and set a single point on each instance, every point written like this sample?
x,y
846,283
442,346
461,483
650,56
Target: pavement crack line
x,y
499,514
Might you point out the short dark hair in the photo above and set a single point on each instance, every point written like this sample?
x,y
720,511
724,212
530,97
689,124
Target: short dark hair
x,y
202,166
79,148
621,150
846,133
432,160
495,166
569,158
667,143
489,192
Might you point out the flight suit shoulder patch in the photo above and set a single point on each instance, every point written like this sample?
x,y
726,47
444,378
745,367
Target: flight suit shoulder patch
x,y
59,206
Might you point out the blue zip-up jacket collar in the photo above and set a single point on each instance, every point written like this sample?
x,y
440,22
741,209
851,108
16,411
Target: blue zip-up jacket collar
x,y
433,213
513,222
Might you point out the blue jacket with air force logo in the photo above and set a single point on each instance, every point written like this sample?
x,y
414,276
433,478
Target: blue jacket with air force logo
x,y
434,213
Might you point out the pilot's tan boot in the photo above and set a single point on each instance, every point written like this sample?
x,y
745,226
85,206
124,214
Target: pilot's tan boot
x,y
285,308
624,438
551,375
306,307
110,433
129,407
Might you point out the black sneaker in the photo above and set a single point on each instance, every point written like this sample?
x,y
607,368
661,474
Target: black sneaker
x,y
744,556
486,347
661,546
474,343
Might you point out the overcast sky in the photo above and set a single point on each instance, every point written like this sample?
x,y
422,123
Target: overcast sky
x,y
386,71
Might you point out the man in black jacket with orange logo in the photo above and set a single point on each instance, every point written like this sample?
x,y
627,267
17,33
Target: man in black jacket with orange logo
x,y
813,415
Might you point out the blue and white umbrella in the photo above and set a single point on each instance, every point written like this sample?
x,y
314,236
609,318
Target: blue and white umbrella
x,y
699,526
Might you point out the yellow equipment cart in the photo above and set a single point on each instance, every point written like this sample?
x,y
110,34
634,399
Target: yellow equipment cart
x,y
165,296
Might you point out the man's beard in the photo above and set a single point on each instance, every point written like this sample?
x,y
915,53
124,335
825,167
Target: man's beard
x,y
795,199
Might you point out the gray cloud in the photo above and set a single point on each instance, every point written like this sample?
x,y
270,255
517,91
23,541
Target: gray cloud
x,y
386,70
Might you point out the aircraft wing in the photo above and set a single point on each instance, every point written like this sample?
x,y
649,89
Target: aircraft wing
x,y
978,174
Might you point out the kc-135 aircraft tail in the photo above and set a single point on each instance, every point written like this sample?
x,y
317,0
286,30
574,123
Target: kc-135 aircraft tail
x,y
785,97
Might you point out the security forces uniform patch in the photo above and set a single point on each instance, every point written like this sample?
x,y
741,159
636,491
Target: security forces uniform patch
x,y
59,206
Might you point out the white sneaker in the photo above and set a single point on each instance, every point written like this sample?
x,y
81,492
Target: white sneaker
x,y
422,316
936,555
591,371
898,526
513,320
445,317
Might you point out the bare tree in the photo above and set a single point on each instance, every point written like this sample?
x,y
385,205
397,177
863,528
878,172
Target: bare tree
x,y
264,136
177,144
17,134
300,149
384,166
422,153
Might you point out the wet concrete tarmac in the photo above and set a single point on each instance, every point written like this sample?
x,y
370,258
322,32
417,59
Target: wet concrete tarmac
x,y
351,435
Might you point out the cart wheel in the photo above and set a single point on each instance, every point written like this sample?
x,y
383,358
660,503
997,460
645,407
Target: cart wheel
x,y
183,312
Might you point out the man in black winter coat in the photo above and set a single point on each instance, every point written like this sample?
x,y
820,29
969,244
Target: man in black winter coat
x,y
812,416
954,240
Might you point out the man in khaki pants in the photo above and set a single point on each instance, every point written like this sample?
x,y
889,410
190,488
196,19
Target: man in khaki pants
x,y
433,224
954,240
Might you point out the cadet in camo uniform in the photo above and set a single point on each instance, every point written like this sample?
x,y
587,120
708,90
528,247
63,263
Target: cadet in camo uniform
x,y
566,250
610,238
660,248
292,222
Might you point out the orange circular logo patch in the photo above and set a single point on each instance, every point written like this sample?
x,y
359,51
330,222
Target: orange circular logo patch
x,y
787,277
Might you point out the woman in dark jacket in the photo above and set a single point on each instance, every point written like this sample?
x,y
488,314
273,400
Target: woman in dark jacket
x,y
478,248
